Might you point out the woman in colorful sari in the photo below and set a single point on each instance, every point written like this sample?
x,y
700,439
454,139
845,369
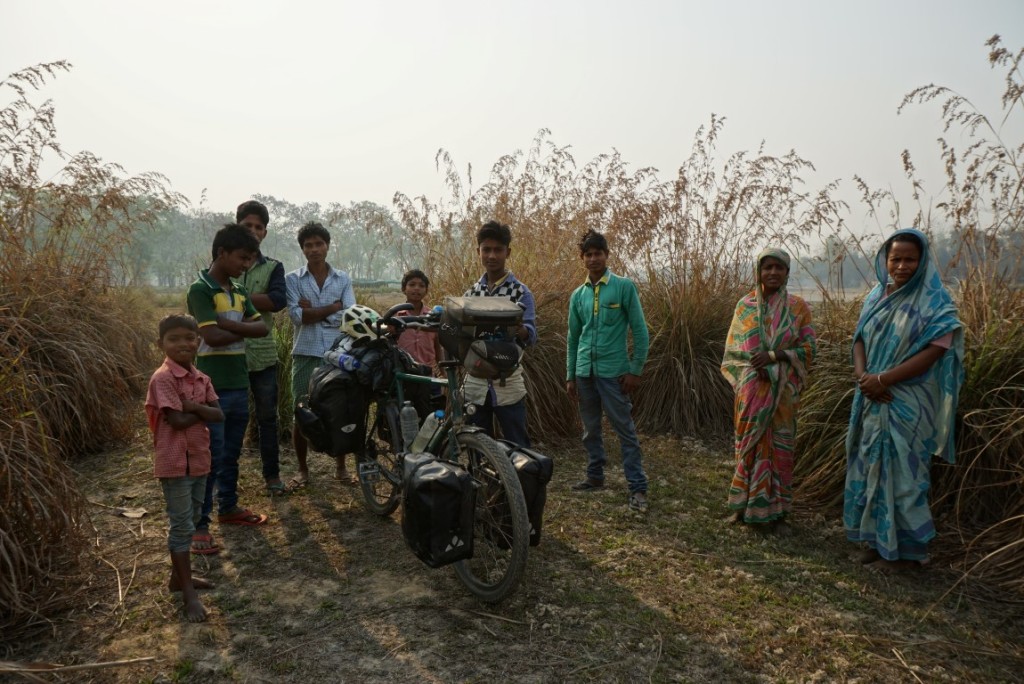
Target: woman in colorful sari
x,y
908,362
769,348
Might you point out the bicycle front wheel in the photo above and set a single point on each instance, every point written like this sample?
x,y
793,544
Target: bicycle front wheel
x,y
380,467
501,529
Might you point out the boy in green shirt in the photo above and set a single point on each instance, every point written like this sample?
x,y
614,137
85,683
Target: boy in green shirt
x,y
599,372
226,316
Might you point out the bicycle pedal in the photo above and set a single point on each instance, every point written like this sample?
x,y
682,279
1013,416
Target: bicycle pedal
x,y
369,472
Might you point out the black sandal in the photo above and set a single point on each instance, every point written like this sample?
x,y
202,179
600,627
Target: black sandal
x,y
587,485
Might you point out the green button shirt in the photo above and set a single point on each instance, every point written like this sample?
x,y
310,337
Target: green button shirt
x,y
600,316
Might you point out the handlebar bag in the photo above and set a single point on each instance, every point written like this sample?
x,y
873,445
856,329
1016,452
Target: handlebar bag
x,y
438,507
467,318
492,359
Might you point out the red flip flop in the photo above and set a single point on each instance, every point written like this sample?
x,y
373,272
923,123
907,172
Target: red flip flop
x,y
205,538
242,517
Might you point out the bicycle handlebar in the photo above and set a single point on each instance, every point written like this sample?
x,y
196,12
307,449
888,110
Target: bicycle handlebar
x,y
426,321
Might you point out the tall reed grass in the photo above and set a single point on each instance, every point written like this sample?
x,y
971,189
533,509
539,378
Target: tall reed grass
x,y
74,349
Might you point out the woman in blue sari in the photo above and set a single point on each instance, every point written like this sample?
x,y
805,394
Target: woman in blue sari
x,y
908,362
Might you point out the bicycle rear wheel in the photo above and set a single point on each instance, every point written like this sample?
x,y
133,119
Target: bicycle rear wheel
x,y
379,466
501,530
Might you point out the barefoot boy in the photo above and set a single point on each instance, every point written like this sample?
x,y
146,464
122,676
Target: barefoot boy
x,y
226,317
425,347
179,404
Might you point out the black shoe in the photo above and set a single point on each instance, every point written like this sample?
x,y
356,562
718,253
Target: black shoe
x,y
588,485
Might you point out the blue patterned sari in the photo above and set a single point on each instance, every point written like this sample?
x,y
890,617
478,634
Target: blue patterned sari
x,y
889,446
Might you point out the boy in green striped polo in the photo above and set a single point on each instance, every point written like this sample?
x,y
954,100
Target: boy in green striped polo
x,y
226,318
264,281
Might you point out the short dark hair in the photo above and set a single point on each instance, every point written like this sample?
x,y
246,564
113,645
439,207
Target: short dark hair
x,y
313,229
415,273
904,237
593,240
172,321
233,236
252,207
492,230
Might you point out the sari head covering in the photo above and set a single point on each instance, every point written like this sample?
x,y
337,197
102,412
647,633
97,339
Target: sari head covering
x,y
889,446
764,324
897,326
765,409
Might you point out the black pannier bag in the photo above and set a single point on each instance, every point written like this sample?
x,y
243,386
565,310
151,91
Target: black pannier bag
x,y
333,417
438,508
534,470
466,319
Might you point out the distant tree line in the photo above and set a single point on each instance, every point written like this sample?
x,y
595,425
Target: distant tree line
x,y
366,241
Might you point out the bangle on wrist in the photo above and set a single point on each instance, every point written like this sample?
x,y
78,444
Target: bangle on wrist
x,y
879,377
771,355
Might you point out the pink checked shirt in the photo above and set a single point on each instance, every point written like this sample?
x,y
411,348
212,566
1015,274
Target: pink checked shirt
x,y
178,453
419,343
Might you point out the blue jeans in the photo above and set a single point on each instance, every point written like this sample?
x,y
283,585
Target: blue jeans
x,y
263,384
225,448
605,394
184,497
511,420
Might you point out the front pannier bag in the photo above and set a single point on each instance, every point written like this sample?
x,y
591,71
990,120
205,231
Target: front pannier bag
x,y
437,509
534,470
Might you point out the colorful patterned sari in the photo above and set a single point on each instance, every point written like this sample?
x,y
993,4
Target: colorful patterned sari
x,y
765,410
889,446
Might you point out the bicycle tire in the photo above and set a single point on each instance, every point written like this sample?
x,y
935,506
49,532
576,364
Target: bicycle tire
x,y
501,528
380,459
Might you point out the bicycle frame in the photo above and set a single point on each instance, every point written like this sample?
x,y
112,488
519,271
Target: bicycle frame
x,y
453,417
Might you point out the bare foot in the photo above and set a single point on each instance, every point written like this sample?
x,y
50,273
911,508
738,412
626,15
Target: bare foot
x,y
198,583
783,529
342,475
195,611
868,556
733,518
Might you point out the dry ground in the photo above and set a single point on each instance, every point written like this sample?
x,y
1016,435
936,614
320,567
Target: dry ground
x,y
325,592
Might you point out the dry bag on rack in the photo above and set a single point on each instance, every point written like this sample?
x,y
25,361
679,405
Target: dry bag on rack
x,y
438,508
534,470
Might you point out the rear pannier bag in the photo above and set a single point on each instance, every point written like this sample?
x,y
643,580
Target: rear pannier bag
x,y
534,470
438,508
469,318
333,417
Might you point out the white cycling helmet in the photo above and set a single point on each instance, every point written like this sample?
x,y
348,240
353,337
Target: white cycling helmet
x,y
357,321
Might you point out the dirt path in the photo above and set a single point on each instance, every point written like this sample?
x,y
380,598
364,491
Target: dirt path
x,y
325,592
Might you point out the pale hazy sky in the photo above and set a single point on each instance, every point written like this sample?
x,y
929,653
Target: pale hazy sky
x,y
347,101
